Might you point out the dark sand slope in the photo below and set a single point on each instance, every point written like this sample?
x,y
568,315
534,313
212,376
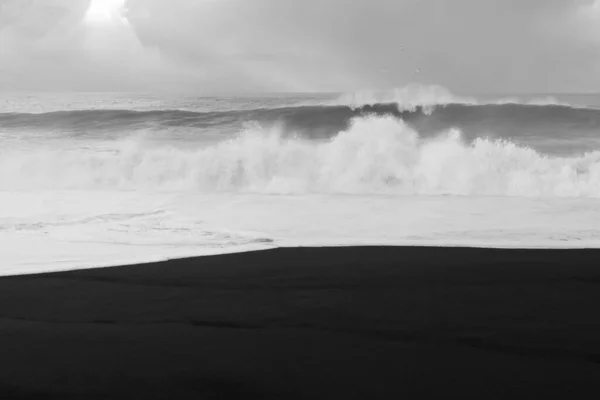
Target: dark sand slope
x,y
349,323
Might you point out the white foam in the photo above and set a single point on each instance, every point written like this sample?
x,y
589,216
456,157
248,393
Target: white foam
x,y
65,230
89,204
56,231
376,155
407,98
410,97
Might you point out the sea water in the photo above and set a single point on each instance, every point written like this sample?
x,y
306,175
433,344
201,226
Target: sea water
x,y
100,179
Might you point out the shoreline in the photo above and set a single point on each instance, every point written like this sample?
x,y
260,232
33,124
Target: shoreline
x,y
28,270
353,322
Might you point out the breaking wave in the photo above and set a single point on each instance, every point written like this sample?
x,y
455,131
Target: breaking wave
x,y
506,120
376,154
414,96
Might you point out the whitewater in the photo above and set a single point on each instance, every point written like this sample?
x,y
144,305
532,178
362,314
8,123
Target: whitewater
x,y
91,180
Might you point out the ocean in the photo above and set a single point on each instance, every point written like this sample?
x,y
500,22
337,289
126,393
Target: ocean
x,y
102,179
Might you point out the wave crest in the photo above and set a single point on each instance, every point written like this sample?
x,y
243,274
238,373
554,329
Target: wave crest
x,y
415,97
376,154
506,120
407,98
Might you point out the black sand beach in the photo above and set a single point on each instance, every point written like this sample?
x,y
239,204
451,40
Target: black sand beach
x,y
309,323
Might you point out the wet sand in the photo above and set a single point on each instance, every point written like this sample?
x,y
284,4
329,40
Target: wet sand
x,y
309,323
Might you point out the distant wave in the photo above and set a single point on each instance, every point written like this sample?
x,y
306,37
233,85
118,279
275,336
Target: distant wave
x,y
413,96
406,98
506,120
375,154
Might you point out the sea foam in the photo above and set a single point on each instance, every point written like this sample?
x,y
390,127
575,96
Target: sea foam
x,y
375,155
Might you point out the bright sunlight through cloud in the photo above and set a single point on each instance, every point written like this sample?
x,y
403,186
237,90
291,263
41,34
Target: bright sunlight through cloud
x,y
105,11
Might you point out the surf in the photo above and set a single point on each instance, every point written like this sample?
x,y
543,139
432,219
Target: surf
x,y
503,120
375,155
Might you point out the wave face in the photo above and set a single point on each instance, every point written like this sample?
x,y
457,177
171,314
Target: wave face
x,y
413,141
375,154
509,120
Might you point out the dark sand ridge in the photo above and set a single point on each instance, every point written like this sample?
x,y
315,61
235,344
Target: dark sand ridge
x,y
348,323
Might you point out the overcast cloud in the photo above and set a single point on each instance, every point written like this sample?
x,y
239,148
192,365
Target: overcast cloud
x,y
212,46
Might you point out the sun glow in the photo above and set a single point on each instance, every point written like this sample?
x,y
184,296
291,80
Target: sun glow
x,y
105,11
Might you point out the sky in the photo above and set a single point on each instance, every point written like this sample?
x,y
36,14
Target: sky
x,y
240,46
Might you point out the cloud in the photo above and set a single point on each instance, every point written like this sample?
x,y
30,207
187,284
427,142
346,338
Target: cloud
x,y
311,45
48,45
467,45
